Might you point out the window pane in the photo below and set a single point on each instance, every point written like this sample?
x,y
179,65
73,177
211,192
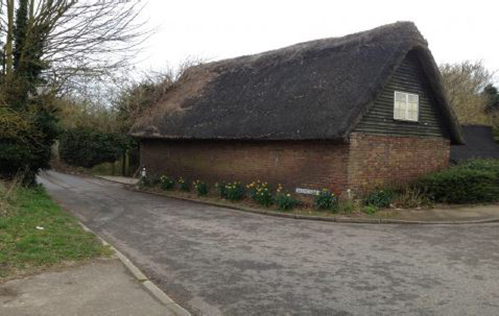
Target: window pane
x,y
402,114
413,107
413,116
406,106
400,96
399,105
399,110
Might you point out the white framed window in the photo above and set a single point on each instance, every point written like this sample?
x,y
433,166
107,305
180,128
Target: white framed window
x,y
406,106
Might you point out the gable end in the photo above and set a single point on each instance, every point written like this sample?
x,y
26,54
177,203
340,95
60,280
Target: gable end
x,y
409,77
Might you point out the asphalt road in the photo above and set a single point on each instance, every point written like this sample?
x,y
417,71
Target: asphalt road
x,y
216,261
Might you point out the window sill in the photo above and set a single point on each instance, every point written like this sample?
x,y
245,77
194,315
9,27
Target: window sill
x,y
407,121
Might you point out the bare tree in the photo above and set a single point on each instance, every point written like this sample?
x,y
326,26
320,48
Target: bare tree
x,y
9,36
464,84
81,38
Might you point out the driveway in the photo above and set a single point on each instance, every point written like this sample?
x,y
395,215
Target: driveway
x,y
216,261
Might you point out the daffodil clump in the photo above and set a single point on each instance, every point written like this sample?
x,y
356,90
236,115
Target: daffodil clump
x,y
233,191
325,200
201,187
284,200
220,187
184,185
260,192
167,183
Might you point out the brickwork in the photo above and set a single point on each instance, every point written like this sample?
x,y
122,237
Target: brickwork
x,y
307,164
367,162
381,160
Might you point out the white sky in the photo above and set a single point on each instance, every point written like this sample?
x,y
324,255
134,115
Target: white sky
x,y
216,29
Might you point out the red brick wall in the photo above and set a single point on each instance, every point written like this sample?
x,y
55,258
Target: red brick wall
x,y
305,164
368,162
380,160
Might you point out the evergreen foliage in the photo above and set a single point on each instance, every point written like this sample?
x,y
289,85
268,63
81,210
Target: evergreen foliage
x,y
83,147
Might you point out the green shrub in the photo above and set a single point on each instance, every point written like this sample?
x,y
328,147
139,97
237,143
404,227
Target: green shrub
x,y
369,209
472,182
167,183
85,147
326,200
145,182
260,192
381,198
490,165
285,201
184,185
155,180
201,187
346,208
221,190
26,137
234,191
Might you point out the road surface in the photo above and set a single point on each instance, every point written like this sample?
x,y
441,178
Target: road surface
x,y
216,261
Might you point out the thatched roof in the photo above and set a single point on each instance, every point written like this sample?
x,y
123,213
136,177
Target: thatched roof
x,y
313,90
480,144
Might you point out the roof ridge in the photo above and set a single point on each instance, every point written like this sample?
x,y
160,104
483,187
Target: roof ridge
x,y
410,32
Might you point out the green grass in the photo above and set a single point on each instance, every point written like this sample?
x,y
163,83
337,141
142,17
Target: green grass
x,y
25,249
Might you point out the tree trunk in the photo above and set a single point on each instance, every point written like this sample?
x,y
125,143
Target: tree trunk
x,y
31,12
10,36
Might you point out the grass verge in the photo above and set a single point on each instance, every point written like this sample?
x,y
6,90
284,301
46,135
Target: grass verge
x,y
35,233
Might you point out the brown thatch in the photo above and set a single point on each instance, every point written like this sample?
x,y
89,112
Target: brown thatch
x,y
313,90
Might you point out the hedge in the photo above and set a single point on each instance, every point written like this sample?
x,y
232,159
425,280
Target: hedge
x,y
83,147
475,181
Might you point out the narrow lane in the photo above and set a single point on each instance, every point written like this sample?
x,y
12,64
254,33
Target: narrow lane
x,y
216,261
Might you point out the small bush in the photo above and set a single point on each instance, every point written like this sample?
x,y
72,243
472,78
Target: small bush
x,y
260,192
411,197
234,191
472,182
27,132
491,165
285,201
155,180
326,200
345,207
167,183
380,199
221,190
145,182
369,209
184,185
201,187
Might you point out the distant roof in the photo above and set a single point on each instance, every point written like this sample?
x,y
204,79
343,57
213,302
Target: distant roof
x,y
313,90
479,144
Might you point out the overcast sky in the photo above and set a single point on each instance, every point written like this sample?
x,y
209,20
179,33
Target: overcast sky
x,y
216,29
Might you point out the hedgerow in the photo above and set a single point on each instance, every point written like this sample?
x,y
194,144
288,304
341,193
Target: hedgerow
x,y
84,147
475,181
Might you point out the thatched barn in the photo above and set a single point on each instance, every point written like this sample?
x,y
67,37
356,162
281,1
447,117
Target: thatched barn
x,y
480,144
356,112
